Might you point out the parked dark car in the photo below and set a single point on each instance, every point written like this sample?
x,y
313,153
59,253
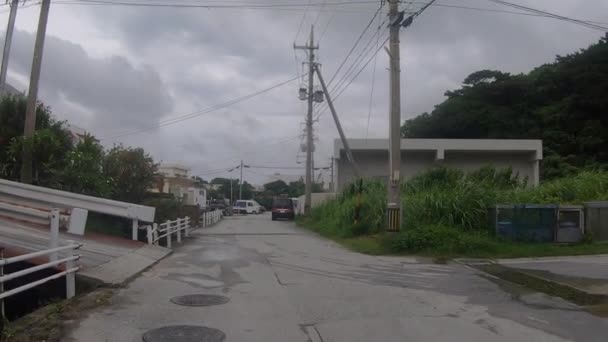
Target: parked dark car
x,y
223,205
283,208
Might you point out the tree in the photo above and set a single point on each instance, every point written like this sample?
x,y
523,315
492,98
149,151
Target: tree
x,y
50,144
83,172
130,171
277,187
562,103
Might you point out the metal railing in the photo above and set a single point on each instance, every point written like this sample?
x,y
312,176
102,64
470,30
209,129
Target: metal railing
x,y
210,218
69,270
165,230
41,197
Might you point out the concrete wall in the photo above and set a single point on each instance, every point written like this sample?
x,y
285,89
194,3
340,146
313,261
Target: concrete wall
x,y
374,164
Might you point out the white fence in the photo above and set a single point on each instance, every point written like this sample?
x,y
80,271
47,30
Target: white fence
x,y
210,218
43,198
70,269
167,230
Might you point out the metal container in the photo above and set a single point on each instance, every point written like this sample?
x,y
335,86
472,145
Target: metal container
x,y
570,224
525,222
596,223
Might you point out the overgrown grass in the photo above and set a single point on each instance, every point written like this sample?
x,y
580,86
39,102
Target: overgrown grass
x,y
445,213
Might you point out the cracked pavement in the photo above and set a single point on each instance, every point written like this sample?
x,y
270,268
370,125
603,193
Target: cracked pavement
x,y
287,284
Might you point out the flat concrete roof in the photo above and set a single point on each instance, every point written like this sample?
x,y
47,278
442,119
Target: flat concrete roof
x,y
442,145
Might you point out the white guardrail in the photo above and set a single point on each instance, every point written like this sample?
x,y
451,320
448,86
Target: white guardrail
x,y
69,270
210,218
41,198
167,229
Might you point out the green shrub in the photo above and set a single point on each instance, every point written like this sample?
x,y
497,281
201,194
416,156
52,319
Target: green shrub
x,y
444,197
442,239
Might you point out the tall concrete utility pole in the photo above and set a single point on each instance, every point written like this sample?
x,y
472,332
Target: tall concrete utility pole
x,y
310,47
7,44
241,182
30,110
331,182
394,196
332,109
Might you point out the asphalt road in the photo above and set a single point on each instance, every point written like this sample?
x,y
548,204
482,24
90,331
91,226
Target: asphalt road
x,y
286,284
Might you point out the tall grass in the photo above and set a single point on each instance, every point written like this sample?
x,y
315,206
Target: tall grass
x,y
451,198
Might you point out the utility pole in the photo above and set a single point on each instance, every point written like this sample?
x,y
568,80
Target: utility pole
x,y
331,183
241,183
310,47
7,44
30,110
330,104
394,196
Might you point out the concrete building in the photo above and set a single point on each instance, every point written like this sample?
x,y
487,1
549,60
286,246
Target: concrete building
x,y
174,179
419,155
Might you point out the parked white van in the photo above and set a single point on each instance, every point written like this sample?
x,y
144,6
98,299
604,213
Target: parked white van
x,y
247,207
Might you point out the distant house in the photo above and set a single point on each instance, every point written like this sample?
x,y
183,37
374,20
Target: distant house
x,y
76,133
175,179
285,178
419,155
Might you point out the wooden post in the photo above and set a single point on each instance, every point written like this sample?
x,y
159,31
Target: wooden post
x,y
186,234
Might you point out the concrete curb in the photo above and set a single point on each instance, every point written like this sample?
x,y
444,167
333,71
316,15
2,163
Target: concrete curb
x,y
535,282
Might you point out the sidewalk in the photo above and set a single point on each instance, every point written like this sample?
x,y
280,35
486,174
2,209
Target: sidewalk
x,y
580,279
588,273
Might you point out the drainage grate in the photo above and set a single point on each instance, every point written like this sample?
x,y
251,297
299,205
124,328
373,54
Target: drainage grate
x,y
184,333
200,300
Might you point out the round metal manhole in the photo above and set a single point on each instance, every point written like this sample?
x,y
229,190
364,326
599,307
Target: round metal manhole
x,y
184,333
200,300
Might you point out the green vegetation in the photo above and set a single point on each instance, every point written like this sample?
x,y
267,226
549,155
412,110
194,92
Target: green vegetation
x,y
563,103
122,173
445,213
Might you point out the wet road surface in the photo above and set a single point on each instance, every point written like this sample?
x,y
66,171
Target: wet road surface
x,y
283,283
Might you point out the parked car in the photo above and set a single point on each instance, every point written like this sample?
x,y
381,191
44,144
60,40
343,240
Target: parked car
x,y
223,205
283,208
247,207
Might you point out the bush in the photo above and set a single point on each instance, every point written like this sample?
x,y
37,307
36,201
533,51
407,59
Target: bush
x,y
444,197
166,209
442,239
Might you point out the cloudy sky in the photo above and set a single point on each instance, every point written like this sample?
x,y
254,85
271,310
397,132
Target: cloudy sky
x,y
148,76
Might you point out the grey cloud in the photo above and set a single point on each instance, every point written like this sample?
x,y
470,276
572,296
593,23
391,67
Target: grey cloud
x,y
208,57
119,94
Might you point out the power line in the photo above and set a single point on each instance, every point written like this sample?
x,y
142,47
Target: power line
x,y
492,10
551,15
202,112
302,22
277,167
356,43
371,93
209,5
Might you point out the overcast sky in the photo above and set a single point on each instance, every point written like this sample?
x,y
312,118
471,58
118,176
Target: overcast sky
x,y
120,71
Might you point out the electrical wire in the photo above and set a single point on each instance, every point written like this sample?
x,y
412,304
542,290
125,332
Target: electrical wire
x,y
202,112
551,15
371,93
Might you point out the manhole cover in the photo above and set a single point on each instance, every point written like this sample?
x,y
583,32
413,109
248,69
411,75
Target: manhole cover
x,y
184,333
199,300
